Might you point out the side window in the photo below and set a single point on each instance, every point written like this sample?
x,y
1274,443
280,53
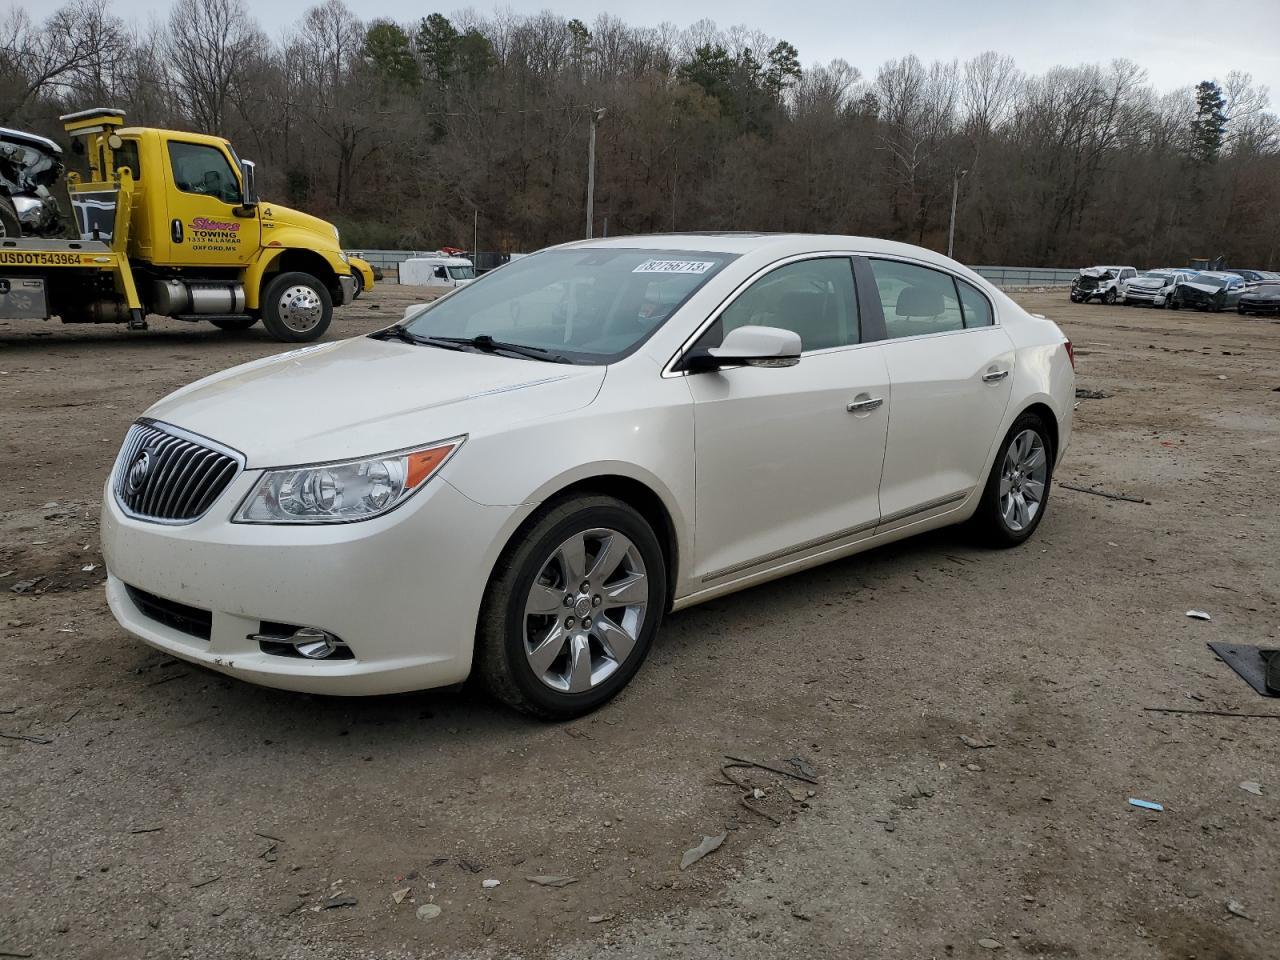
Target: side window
x,y
916,300
976,306
440,273
127,156
202,169
815,298
1128,274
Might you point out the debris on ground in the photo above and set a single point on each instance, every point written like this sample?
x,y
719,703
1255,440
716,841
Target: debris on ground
x,y
1252,786
708,845
399,895
600,918
1101,493
1083,393
552,881
428,911
1236,908
1198,615
986,943
27,586
491,883
1146,804
341,900
973,743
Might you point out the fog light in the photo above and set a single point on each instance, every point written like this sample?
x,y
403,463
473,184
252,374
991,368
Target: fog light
x,y
314,643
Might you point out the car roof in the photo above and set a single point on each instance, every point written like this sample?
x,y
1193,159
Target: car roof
x,y
781,244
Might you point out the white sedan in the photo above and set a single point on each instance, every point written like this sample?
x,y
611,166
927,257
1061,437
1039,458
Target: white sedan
x,y
522,478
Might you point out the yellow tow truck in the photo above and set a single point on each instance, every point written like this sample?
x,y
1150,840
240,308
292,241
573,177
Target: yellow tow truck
x,y
170,223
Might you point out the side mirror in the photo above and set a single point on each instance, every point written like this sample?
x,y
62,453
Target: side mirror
x,y
750,347
248,185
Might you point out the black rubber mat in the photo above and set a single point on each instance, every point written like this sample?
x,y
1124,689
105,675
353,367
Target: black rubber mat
x,y
1246,660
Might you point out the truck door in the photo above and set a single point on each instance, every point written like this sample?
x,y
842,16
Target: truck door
x,y
203,197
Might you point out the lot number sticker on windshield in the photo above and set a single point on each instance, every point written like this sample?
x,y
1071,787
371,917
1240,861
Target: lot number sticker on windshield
x,y
674,266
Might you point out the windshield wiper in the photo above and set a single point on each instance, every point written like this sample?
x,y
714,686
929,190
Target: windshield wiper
x,y
489,345
399,332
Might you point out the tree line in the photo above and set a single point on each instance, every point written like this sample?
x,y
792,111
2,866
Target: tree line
x,y
409,134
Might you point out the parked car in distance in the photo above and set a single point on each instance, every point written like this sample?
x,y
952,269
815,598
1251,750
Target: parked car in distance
x,y
1251,277
522,478
1101,283
1152,287
1208,290
1262,299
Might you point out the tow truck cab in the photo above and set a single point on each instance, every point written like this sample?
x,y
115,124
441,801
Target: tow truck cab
x,y
188,237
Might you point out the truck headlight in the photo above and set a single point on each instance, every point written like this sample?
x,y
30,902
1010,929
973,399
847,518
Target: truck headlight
x,y
345,491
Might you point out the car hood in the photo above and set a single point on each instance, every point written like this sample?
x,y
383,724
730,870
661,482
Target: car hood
x,y
1206,288
1147,283
1095,273
1262,294
359,397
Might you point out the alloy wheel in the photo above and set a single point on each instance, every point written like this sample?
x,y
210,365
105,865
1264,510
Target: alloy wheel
x,y
1023,477
585,609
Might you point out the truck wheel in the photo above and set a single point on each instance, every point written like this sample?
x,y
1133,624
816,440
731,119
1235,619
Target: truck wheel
x,y
233,323
359,288
9,224
1109,297
296,307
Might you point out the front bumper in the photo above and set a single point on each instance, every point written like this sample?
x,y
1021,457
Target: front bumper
x,y
348,286
1156,297
402,590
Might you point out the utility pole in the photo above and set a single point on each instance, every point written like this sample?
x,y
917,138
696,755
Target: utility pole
x,y
596,116
475,236
955,195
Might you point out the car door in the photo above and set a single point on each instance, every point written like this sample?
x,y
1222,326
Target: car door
x,y
788,459
951,369
206,224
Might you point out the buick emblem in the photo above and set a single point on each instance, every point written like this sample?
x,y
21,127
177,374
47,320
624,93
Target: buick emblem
x,y
138,472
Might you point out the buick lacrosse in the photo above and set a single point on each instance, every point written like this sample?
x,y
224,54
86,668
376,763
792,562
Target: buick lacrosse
x,y
520,479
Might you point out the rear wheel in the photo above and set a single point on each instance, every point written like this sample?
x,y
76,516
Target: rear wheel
x,y
1017,491
296,307
572,608
232,324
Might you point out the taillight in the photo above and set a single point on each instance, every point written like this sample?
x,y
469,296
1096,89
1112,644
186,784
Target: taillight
x,y
1071,353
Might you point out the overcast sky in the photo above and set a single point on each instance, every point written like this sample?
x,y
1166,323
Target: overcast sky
x,y
1179,42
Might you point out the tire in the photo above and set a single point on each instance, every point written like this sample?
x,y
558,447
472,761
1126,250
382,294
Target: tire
x,y
233,324
10,226
1109,297
296,307
1173,303
990,523
525,601
359,285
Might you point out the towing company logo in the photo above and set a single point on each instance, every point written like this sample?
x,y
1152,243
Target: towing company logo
x,y
213,235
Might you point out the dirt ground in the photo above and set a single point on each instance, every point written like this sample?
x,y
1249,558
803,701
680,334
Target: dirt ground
x,y
151,809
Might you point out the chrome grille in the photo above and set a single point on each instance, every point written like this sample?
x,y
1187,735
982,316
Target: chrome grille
x,y
168,475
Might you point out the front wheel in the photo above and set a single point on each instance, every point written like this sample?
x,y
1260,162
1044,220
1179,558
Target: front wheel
x,y
572,608
1017,491
1109,297
296,307
10,225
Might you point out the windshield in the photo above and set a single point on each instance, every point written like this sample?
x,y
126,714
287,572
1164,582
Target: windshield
x,y
462,273
590,305
1156,275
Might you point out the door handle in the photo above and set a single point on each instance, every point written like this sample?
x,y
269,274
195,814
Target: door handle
x,y
865,406
175,230
995,376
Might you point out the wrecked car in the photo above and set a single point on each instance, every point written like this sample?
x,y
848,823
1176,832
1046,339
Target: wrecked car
x,y
1153,287
1261,300
1208,291
29,166
1101,283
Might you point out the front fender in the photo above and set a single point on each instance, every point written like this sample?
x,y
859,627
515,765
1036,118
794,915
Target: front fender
x,y
283,240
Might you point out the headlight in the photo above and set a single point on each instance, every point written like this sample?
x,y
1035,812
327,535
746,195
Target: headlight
x,y
346,491
344,258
